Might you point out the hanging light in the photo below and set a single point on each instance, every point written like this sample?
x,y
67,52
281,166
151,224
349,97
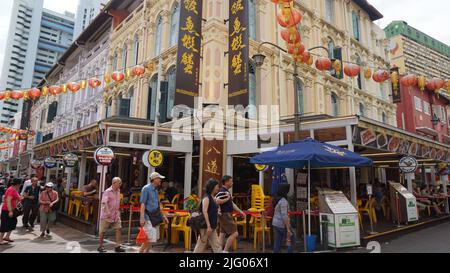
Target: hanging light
x,y
352,70
323,63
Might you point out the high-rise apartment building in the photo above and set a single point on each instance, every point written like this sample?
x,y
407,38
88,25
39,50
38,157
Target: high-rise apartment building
x,y
86,12
416,52
37,38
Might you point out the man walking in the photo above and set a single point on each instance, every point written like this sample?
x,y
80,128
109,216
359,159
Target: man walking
x,y
228,226
150,206
30,203
110,215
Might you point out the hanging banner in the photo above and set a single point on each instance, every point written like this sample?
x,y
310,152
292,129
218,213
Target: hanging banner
x,y
238,53
188,54
395,80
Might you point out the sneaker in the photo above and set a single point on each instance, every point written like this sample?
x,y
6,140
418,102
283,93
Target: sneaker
x,y
225,251
119,249
101,250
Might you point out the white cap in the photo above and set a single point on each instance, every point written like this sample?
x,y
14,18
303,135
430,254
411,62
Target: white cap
x,y
156,175
50,185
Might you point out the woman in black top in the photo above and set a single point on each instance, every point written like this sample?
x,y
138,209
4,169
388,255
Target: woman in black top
x,y
210,210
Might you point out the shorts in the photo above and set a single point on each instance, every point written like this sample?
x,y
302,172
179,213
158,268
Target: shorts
x,y
227,224
152,232
105,225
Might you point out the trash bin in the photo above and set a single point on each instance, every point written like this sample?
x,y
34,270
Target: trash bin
x,y
311,243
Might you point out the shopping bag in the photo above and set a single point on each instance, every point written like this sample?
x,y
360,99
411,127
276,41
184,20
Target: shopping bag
x,y
142,237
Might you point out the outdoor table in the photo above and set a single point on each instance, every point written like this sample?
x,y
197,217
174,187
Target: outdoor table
x,y
170,217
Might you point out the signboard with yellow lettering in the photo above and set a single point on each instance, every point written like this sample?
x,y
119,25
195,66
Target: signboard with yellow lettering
x,y
189,50
238,53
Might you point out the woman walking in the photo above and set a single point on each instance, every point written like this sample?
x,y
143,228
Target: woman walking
x,y
281,223
210,210
48,198
8,217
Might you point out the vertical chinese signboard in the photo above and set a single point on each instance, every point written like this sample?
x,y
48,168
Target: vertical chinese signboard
x,y
212,160
395,80
189,49
238,53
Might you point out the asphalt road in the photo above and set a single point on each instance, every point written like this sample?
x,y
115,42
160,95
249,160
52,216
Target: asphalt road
x,y
435,239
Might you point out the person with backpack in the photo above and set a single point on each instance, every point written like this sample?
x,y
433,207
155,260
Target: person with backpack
x,y
210,211
49,201
281,223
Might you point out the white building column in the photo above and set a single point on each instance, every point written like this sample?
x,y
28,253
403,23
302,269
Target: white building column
x,y
82,172
188,175
352,170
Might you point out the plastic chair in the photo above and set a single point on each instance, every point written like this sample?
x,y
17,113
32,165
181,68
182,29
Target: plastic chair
x,y
86,210
135,198
258,230
358,206
74,203
182,227
242,223
369,208
174,204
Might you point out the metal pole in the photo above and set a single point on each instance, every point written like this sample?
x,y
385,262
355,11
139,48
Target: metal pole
x,y
263,224
304,231
309,197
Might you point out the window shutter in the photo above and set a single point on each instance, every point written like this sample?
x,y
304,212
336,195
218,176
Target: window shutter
x,y
163,102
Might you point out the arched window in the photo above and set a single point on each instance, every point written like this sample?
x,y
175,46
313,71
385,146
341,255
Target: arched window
x,y
158,34
115,61
330,48
136,50
301,104
384,118
151,107
334,105
252,19
125,105
124,56
171,78
329,12
252,92
362,110
174,25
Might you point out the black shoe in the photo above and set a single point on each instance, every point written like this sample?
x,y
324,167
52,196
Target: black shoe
x,y
102,250
119,249
42,235
48,231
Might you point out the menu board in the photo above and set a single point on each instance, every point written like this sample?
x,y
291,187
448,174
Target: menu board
x,y
338,203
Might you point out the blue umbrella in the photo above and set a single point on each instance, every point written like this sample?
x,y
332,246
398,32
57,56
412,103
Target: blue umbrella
x,y
310,153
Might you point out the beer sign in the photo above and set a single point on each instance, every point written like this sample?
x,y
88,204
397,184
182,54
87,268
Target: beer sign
x,y
104,156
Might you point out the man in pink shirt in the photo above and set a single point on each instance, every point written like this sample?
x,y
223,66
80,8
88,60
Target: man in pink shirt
x,y
110,214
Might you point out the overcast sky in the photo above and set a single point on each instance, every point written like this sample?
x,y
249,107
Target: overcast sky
x,y
429,16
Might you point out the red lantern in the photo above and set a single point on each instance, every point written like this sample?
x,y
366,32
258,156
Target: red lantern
x,y
118,76
74,87
352,70
306,56
2,95
94,83
323,64
381,76
288,17
296,49
55,90
16,95
291,38
138,70
435,84
34,93
409,80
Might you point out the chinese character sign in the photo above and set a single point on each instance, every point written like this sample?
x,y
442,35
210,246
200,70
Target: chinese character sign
x,y
189,49
212,160
238,53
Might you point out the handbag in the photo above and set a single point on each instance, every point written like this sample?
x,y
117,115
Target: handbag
x,y
18,210
156,217
55,206
197,220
